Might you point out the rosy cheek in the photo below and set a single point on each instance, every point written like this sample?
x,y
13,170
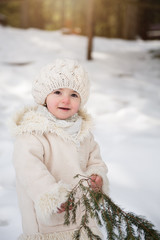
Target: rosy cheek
x,y
79,104
49,105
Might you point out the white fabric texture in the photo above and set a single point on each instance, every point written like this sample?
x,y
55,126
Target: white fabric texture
x,y
46,159
48,203
35,120
71,125
62,73
66,235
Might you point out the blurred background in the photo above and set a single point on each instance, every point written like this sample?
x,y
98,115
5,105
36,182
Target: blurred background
x,y
126,19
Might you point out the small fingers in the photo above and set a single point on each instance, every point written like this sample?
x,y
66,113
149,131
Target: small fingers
x,y
96,182
63,208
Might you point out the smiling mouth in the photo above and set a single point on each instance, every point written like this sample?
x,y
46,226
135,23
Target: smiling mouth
x,y
63,108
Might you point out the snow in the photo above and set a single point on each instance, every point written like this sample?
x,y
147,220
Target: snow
x,y
124,101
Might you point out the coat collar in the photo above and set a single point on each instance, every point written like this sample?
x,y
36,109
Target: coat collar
x,y
31,121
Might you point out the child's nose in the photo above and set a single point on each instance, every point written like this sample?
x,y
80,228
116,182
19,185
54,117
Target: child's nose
x,y
66,99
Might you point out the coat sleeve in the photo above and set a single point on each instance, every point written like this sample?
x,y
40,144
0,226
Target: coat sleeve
x,y
96,165
34,177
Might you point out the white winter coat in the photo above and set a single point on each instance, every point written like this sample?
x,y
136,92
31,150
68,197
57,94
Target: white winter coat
x,y
46,159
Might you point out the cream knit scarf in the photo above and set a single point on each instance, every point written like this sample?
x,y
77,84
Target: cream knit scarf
x,y
71,125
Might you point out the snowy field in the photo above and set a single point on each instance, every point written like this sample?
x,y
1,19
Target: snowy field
x,y
124,101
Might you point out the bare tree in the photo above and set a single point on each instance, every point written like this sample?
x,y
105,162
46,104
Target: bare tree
x,y
130,25
37,13
90,28
63,13
24,13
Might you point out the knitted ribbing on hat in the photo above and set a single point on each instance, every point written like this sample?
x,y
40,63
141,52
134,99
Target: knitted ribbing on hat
x,y
63,73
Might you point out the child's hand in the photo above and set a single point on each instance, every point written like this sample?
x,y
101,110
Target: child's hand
x,y
96,182
63,208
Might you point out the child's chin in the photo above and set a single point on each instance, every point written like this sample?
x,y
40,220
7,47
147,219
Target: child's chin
x,y
63,117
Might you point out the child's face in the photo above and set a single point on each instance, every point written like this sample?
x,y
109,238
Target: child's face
x,y
63,103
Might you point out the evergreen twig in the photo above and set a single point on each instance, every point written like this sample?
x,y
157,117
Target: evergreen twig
x,y
119,225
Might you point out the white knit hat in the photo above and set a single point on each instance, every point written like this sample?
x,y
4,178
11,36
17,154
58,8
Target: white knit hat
x,y
63,73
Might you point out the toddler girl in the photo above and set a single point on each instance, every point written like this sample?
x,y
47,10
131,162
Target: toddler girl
x,y
53,144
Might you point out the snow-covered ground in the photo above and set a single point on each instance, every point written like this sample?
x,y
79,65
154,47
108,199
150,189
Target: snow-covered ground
x,y
124,101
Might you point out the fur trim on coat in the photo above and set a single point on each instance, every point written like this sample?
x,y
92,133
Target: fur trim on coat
x,y
48,203
66,235
31,120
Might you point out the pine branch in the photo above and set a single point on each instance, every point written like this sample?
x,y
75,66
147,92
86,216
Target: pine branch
x,y
119,225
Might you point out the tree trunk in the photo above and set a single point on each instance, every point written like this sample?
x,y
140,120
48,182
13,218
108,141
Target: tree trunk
x,y
90,28
38,16
130,24
24,14
63,14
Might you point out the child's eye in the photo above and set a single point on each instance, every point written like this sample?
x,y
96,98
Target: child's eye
x,y
74,95
57,92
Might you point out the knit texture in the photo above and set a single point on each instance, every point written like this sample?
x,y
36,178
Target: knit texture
x,y
64,73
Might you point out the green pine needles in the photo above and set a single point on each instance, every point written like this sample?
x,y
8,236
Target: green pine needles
x,y
119,225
